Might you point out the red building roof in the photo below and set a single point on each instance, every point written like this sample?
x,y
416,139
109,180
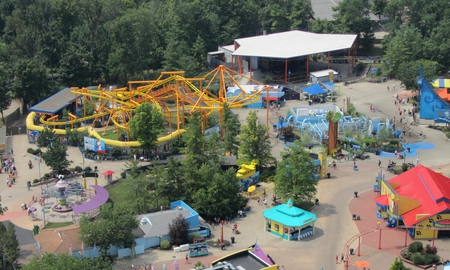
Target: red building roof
x,y
431,189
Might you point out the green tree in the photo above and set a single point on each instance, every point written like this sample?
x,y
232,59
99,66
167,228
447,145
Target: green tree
x,y
46,137
55,157
353,17
295,175
30,83
221,197
178,230
398,265
9,245
113,226
230,127
5,89
146,125
408,72
254,142
63,261
378,7
74,67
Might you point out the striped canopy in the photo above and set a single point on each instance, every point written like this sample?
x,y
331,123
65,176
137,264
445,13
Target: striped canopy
x,y
441,83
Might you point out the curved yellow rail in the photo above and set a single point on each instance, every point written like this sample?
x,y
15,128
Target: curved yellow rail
x,y
92,132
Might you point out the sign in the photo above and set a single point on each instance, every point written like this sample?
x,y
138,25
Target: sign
x,y
94,144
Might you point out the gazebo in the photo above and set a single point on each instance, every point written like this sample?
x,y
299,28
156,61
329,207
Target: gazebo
x,y
289,222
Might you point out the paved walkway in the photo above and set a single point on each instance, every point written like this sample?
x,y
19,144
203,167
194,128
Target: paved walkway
x,y
334,226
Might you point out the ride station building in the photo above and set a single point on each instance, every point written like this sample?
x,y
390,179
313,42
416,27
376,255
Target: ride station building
x,y
419,200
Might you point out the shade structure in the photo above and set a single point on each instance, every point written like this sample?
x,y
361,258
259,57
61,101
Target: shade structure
x,y
315,89
251,189
362,264
441,83
32,209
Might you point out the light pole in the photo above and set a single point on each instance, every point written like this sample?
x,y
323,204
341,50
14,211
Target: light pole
x,y
159,236
95,175
51,141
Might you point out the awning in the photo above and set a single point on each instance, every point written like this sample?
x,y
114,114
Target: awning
x,y
441,83
316,89
382,200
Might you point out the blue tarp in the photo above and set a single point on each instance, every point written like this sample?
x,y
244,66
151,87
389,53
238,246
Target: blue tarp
x,y
315,89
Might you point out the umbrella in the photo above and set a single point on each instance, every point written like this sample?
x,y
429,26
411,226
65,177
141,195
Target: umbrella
x,y
356,146
362,264
32,209
251,189
397,132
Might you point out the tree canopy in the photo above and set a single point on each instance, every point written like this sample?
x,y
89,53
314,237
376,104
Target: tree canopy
x,y
178,230
254,142
56,155
9,245
295,175
146,125
113,226
62,261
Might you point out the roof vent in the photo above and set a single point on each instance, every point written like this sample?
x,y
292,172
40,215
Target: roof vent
x,y
180,208
143,221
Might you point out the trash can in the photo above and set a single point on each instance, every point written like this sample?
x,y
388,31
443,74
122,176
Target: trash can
x,y
232,239
223,247
351,251
328,175
35,229
409,149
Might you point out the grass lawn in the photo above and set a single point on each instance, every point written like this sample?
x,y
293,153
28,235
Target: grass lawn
x,y
122,194
52,225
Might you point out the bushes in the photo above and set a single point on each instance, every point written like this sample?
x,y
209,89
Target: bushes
x,y
415,247
420,256
193,236
35,181
78,169
33,151
165,245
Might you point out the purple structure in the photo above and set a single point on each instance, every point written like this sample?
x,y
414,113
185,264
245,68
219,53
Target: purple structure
x,y
101,196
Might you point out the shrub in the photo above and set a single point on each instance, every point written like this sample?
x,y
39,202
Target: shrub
x,y
165,245
78,169
405,167
46,176
88,169
447,134
35,181
415,247
193,236
416,258
430,250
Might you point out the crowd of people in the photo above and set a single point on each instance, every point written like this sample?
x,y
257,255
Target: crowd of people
x,y
9,168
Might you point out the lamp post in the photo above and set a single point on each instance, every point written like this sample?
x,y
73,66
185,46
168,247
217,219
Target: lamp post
x,y
84,173
95,175
159,236
51,141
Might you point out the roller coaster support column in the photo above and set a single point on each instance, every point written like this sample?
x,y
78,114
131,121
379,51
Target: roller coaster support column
x,y
379,240
84,173
221,232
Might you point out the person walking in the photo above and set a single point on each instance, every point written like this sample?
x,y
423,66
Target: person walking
x,y
337,259
342,257
418,161
187,259
379,163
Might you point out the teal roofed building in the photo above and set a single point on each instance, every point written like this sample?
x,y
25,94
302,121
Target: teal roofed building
x,y
289,222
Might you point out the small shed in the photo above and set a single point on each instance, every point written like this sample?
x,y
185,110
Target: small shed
x,y
322,76
108,176
289,222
